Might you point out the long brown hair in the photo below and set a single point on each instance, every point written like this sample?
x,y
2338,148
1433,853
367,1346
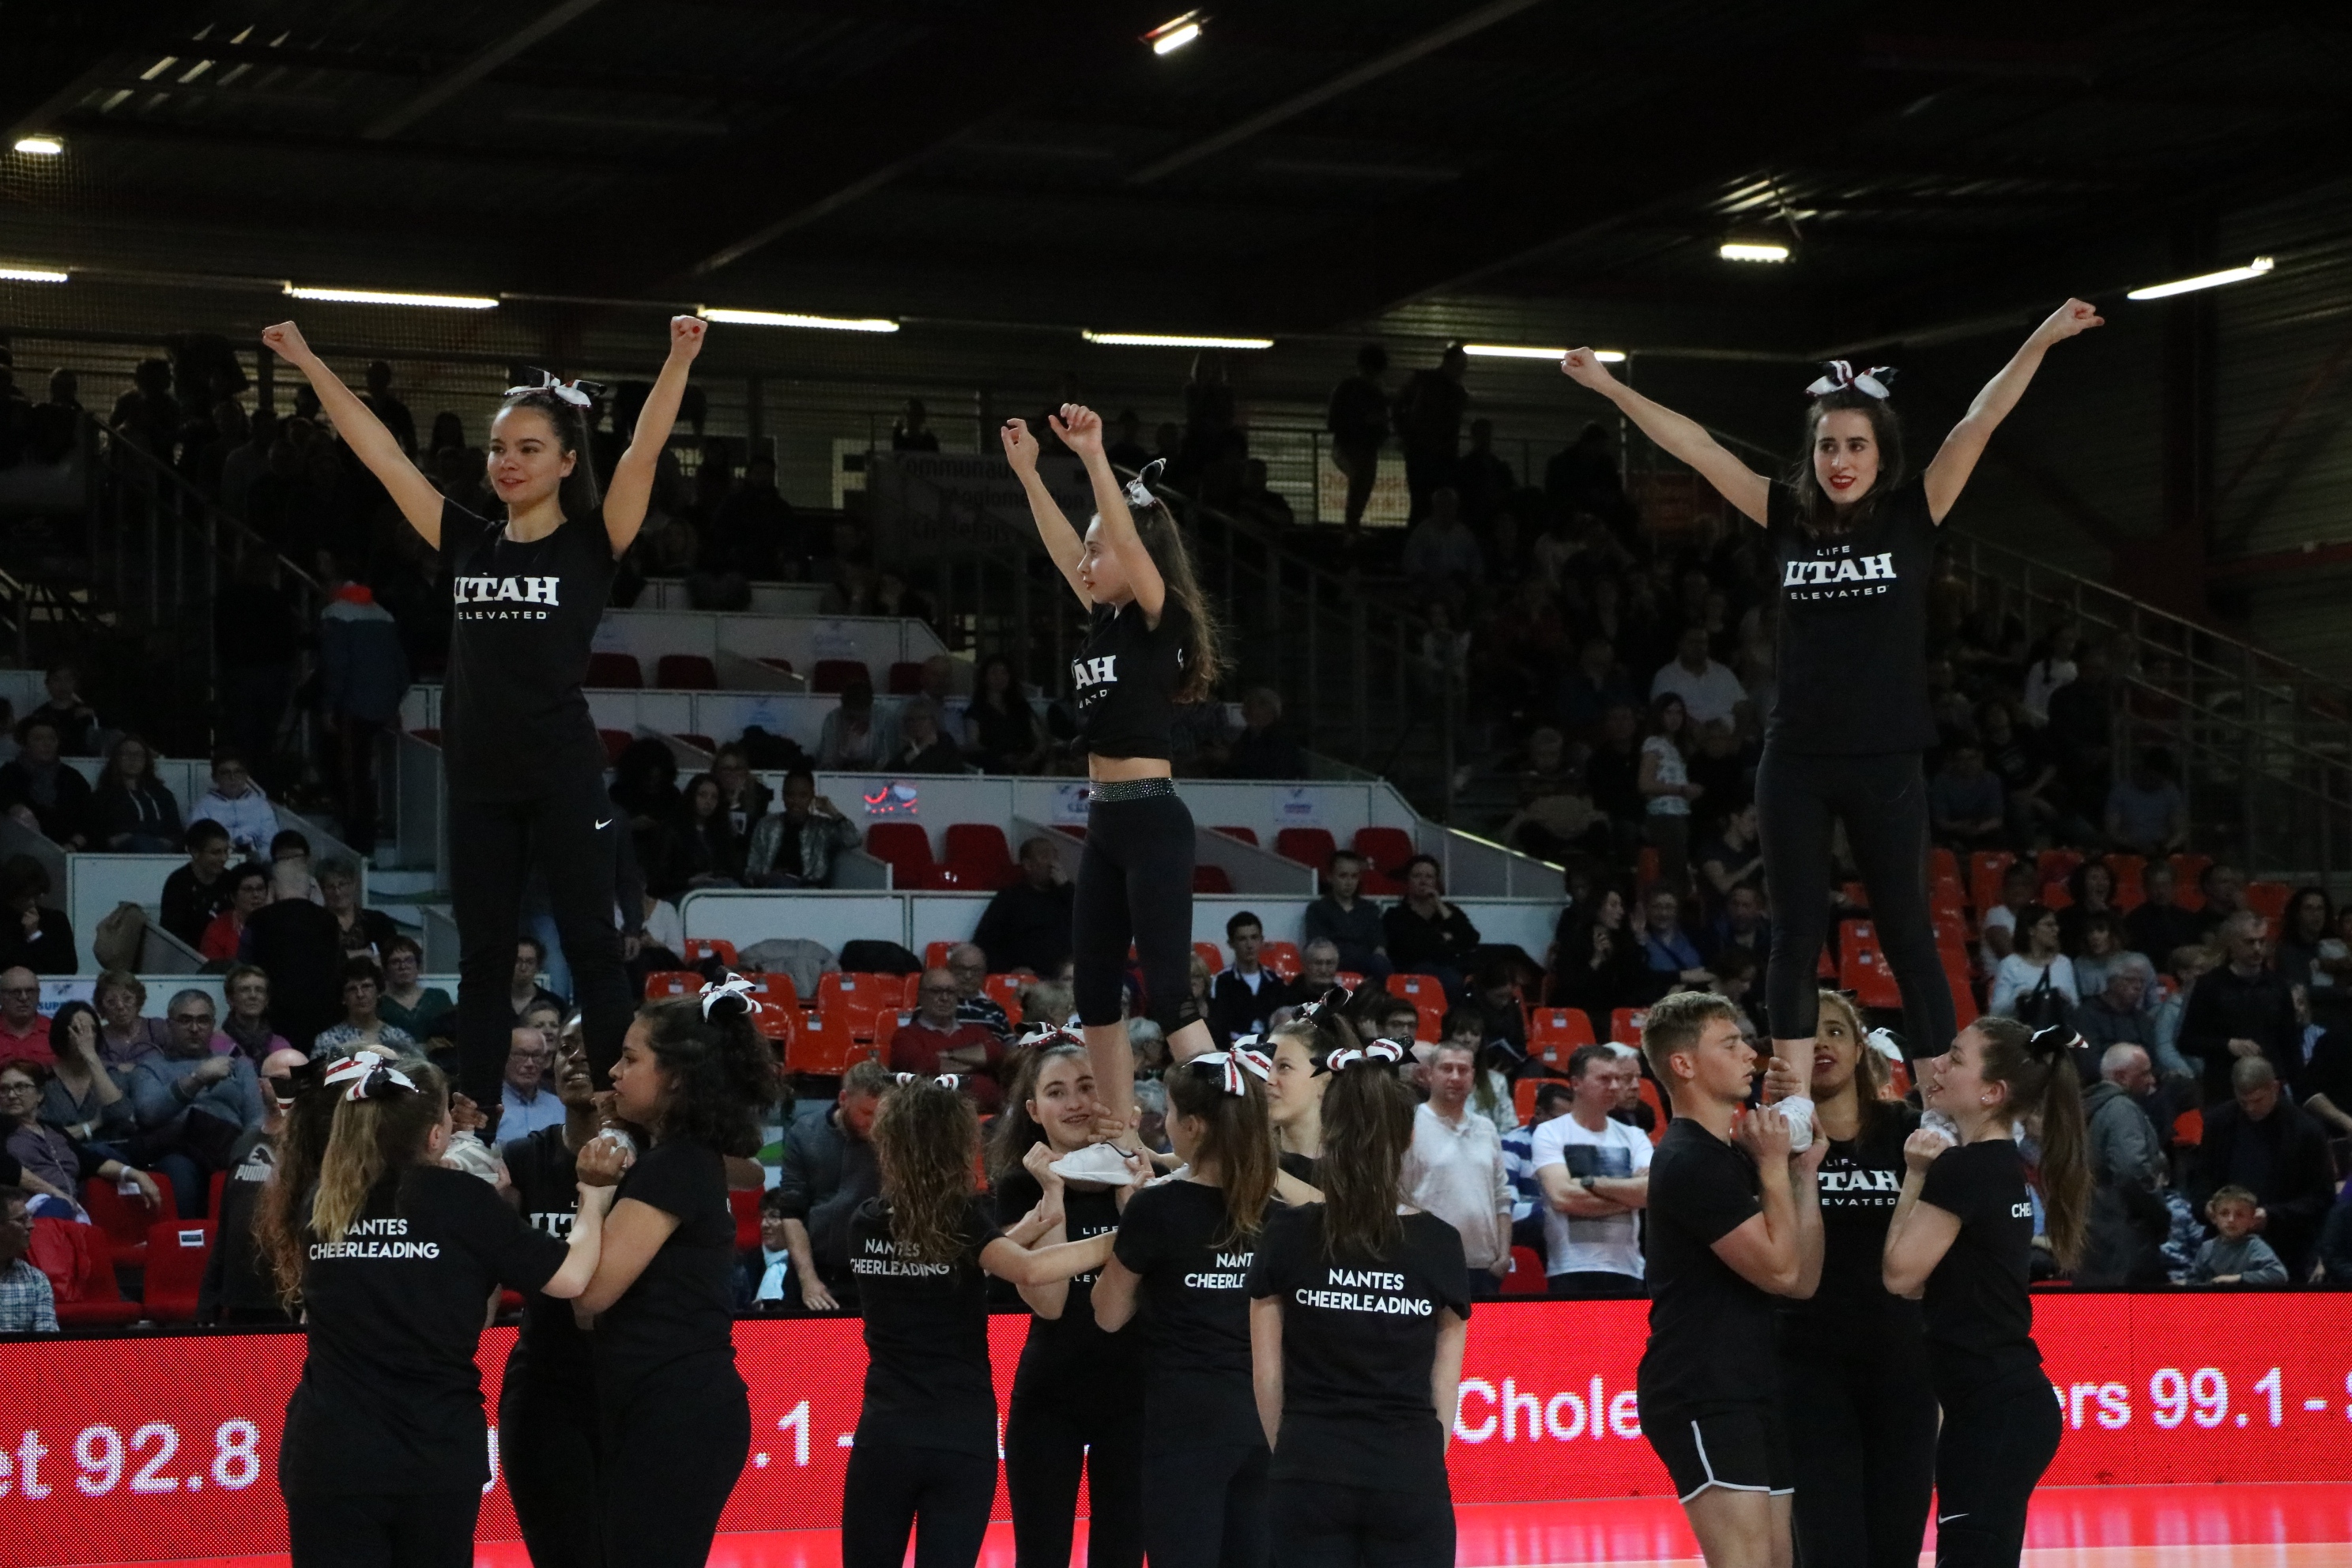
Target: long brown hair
x,y
1163,541
1235,1137
1367,1132
364,1140
1820,514
924,1139
2037,1069
301,1143
1870,1075
1015,1131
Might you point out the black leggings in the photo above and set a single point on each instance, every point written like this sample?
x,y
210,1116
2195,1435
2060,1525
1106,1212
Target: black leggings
x,y
1862,1437
493,845
383,1530
890,1489
1322,1524
1997,1440
547,1447
1205,1506
1135,884
669,1457
1881,798
1046,1441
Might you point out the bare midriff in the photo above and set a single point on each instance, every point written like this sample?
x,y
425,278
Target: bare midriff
x,y
1122,770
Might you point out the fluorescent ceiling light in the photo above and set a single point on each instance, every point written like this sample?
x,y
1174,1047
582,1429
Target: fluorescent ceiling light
x,y
2254,269
40,146
1744,250
1514,350
388,297
1175,33
787,318
1173,340
31,275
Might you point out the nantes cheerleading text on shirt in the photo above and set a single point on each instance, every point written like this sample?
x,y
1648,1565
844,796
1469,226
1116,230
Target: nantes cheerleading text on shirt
x,y
1364,1291
379,1239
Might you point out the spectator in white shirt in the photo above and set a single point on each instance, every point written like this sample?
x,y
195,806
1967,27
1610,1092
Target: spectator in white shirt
x,y
238,804
1595,1174
2033,959
1711,693
1456,1168
529,1104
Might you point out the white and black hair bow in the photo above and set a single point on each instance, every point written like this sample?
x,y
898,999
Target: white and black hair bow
x,y
947,1080
367,1077
1380,1053
735,988
1139,489
1840,376
1241,1058
1050,1035
572,391
1335,1000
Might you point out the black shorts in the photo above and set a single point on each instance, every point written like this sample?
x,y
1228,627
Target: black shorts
x,y
1739,1448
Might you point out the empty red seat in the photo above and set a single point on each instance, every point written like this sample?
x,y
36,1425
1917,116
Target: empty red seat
x,y
825,1047
615,670
685,672
2269,900
1282,957
701,948
1379,884
81,1274
1210,953
121,1222
1247,835
976,844
1526,1275
906,678
1210,880
1386,848
176,1251
904,845
744,1204
615,742
1308,845
935,955
1625,1025
664,983
1986,869
837,674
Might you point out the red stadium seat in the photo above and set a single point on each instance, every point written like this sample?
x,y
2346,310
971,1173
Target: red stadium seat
x,y
1429,1019
1625,1025
702,949
2269,900
1210,953
2188,1129
1523,1097
1942,862
1526,1275
745,1205
1986,867
826,1047
1964,996
2056,865
1005,990
615,742
1282,957
1645,868
2188,872
977,844
664,983
905,847
685,672
1651,1098
615,671
1862,966
1210,880
81,1275
1379,884
836,675
1350,979
1418,989
2129,870
121,1222
176,1251
1566,1027
1385,849
935,955
906,678
1308,845
1247,835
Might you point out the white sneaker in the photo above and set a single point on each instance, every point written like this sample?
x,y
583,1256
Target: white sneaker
x,y
1800,1112
1936,1121
1097,1162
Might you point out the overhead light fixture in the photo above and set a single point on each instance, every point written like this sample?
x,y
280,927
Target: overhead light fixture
x,y
1174,34
1751,250
788,319
391,297
40,146
30,275
1515,351
1172,340
2254,269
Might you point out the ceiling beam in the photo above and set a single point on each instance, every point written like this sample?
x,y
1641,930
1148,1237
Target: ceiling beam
x,y
54,54
458,78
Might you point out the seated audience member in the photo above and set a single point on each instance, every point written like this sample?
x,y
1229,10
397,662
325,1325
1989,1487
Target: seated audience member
x,y
827,1170
528,1103
2241,1010
1733,860
300,947
2223,887
24,1032
2157,925
1351,924
742,795
248,1026
27,1304
86,1096
1557,816
1552,1097
1966,809
1427,935
68,712
192,1105
698,848
932,1042
248,891
2020,885
2035,984
423,1012
367,934
2117,1013
1455,1167
2098,947
1243,996
524,992
131,811
969,964
1597,963
1711,693
125,1034
1742,924
34,934
2129,1222
2236,1255
1262,750
1668,954
795,847
2278,1152
763,1274
1594,1172
2017,756
363,1025
1027,925
1591,689
2189,964
238,1287
1002,732
52,1166
1318,970
2146,814
238,804
44,792
198,891
2091,894
857,735
922,747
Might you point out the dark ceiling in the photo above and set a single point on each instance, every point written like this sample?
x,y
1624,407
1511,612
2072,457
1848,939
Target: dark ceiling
x,y
1305,166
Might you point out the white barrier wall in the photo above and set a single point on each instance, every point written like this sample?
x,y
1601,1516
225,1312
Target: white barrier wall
x,y
58,990
877,641
767,598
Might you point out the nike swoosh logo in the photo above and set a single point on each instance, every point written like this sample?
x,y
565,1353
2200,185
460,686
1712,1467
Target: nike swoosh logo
x,y
1948,1518
603,825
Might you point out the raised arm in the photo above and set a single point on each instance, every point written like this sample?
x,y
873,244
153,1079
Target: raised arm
x,y
633,477
1956,459
362,432
586,1244
1080,428
1062,540
1684,438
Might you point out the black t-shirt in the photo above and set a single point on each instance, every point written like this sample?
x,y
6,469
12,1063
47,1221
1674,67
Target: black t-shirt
x,y
546,1181
239,1284
1852,1314
1305,1168
1358,1339
1193,1306
1980,1316
1853,662
926,1377
1124,679
513,718
1069,1357
390,1399
1710,1331
679,1319
300,947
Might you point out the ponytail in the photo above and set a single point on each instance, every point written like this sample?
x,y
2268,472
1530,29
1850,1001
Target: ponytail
x,y
2037,1070
301,1146
1237,1138
1367,1132
1163,541
722,1071
373,1136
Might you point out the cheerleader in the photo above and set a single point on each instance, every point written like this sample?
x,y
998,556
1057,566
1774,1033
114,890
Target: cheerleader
x,y
1185,1246
1152,645
924,1457
1358,1314
1962,1232
1854,536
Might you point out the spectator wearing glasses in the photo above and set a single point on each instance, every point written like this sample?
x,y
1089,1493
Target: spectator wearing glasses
x,y
248,1026
194,1106
24,1032
969,964
528,1103
51,1165
364,1023
84,1096
426,1012
125,1035
367,934
27,1305
933,1042
249,891
238,804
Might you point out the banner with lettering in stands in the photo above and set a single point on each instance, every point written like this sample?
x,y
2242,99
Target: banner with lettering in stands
x,y
152,1447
